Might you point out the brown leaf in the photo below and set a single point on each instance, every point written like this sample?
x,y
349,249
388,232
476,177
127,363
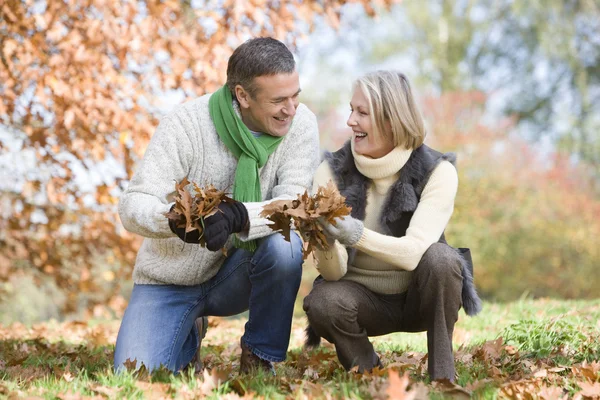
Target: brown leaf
x,y
589,389
304,212
490,350
109,392
452,389
191,208
211,380
130,365
398,387
553,393
590,371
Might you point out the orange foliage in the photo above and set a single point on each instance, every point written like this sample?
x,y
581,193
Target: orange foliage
x,y
531,216
85,79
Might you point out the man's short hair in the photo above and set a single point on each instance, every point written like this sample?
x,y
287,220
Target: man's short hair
x,y
262,56
391,100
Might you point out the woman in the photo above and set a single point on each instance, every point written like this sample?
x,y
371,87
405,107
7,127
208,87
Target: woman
x,y
389,268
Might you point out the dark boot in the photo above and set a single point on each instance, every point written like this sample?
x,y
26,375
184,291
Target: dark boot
x,y
250,362
202,326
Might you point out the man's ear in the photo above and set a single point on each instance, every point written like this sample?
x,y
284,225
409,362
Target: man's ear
x,y
242,96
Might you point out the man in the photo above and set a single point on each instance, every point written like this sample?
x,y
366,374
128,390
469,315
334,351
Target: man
x,y
252,136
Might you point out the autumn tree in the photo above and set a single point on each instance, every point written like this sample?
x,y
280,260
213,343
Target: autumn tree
x,y
81,85
543,57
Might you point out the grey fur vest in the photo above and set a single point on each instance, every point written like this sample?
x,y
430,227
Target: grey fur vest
x,y
401,203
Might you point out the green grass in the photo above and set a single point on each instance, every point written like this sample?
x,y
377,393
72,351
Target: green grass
x,y
545,344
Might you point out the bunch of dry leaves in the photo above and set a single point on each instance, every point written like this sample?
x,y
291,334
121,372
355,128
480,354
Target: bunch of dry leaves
x,y
190,210
305,212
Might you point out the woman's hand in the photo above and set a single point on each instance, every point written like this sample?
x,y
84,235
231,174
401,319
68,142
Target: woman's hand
x,y
347,230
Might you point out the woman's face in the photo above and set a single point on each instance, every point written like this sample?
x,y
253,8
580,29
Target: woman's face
x,y
367,141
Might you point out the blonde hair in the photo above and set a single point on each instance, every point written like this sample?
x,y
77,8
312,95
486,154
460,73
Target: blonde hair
x,y
391,101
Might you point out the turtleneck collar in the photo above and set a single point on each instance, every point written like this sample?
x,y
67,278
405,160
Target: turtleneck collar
x,y
383,167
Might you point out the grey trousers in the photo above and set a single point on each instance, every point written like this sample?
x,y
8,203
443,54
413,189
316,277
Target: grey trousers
x,y
346,313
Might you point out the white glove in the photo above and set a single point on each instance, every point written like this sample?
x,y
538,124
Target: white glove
x,y
347,230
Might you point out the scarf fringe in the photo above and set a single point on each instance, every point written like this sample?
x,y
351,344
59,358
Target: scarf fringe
x,y
239,244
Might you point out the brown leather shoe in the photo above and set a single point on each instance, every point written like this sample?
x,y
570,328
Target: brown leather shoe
x,y
201,326
250,362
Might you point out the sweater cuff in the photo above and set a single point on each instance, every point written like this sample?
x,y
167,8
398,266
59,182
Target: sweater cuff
x,y
258,226
362,241
332,264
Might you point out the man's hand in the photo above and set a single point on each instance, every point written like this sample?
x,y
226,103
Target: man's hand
x,y
347,230
230,218
189,237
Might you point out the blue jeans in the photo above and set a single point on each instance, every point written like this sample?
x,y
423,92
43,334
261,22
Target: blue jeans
x,y
158,325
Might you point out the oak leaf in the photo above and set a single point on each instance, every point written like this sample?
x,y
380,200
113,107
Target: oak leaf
x,y
398,387
304,213
193,207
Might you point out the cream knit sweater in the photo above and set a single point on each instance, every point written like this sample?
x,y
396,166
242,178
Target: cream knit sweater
x,y
187,144
384,264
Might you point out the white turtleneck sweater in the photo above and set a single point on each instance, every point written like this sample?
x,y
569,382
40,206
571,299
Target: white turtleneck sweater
x,y
384,264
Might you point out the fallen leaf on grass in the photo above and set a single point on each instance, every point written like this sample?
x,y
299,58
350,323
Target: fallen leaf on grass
x,y
97,337
451,389
590,371
521,389
70,395
589,389
557,369
398,386
154,391
310,373
311,389
552,393
211,380
490,350
130,365
541,373
68,377
511,350
476,385
104,390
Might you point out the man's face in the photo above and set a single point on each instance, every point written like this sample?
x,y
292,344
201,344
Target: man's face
x,y
274,104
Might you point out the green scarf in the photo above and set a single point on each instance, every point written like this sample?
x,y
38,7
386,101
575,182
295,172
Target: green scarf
x,y
251,152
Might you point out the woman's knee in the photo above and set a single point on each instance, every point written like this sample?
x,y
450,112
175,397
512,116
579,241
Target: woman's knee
x,y
328,302
441,261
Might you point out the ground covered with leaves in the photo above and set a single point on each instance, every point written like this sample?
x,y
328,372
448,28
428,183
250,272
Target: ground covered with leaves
x,y
530,349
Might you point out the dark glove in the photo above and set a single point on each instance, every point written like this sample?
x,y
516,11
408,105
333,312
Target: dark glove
x,y
231,218
190,237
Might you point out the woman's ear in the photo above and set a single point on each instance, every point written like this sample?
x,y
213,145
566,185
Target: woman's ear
x,y
242,96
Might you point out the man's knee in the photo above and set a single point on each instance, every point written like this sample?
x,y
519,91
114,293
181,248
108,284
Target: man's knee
x,y
285,258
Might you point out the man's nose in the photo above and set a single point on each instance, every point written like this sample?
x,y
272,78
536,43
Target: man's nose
x,y
290,108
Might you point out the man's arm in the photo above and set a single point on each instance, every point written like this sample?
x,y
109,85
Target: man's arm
x,y
167,160
294,175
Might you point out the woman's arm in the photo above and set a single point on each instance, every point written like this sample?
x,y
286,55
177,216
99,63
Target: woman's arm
x,y
331,264
426,226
